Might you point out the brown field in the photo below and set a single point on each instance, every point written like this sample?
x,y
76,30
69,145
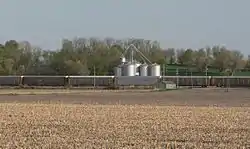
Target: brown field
x,y
197,118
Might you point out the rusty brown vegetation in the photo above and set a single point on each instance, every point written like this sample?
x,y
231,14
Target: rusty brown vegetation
x,y
122,126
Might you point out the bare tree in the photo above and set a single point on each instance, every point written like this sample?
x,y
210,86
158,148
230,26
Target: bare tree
x,y
236,61
201,60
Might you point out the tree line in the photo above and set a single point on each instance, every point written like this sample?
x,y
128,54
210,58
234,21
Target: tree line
x,y
82,56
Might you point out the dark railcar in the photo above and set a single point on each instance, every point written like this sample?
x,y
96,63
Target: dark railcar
x,y
200,81
10,80
44,81
231,81
90,81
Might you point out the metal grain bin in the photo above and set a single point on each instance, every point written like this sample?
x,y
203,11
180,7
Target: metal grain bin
x,y
143,69
118,71
129,69
154,70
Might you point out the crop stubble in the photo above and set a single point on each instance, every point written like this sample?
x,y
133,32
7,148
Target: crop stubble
x,y
117,126
187,119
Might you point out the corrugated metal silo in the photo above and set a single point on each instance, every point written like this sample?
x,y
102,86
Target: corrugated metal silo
x,y
129,69
143,70
118,71
122,69
154,70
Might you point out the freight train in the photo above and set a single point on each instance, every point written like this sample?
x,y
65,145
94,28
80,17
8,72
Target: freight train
x,y
110,81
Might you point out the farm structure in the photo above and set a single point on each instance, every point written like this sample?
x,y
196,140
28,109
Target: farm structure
x,y
131,67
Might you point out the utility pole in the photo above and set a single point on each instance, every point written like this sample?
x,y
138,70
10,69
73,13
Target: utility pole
x,y
163,70
206,76
191,77
228,81
94,77
177,77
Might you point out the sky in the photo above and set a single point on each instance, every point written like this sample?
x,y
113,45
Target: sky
x,y
174,23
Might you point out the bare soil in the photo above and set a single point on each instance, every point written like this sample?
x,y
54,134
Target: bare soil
x,y
177,121
186,97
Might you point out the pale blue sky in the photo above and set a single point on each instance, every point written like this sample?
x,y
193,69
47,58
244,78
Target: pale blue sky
x,y
175,23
